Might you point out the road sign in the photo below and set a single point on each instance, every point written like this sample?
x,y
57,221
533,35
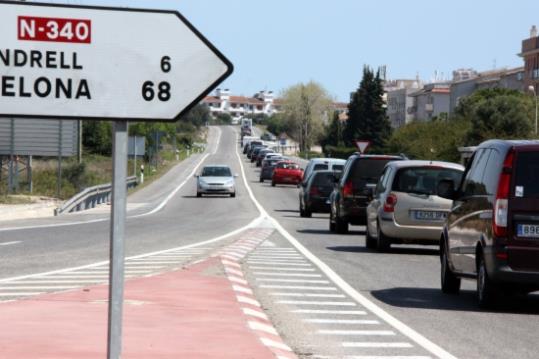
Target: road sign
x,y
61,61
363,145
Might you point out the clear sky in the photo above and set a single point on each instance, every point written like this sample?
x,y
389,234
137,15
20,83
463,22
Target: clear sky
x,y
277,43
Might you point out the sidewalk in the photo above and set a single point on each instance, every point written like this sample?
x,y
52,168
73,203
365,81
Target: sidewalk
x,y
194,312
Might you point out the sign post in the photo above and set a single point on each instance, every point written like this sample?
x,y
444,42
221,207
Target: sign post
x,y
104,63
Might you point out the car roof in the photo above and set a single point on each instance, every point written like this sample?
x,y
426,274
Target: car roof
x,y
325,160
216,166
380,157
422,163
505,144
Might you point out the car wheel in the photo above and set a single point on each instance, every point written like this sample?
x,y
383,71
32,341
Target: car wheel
x,y
487,292
233,195
261,180
383,243
450,282
341,225
199,194
370,241
301,211
272,183
308,213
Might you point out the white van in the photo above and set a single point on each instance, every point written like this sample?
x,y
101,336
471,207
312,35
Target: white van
x,y
248,139
323,164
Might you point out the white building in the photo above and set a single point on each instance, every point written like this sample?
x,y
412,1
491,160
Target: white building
x,y
262,103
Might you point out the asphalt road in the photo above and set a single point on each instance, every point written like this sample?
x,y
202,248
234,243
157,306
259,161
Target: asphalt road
x,y
403,283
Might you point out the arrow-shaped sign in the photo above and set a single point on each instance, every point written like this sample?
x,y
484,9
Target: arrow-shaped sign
x,y
363,145
64,61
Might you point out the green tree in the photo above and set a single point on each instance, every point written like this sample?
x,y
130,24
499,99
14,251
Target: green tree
x,y
496,113
334,132
197,116
305,108
97,137
436,140
367,119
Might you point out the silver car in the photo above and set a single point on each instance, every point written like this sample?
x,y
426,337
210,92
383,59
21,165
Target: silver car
x,y
216,180
405,206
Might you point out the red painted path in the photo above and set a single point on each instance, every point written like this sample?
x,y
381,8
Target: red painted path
x,y
191,313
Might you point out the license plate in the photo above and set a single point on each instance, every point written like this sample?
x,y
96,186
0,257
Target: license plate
x,y
528,230
429,215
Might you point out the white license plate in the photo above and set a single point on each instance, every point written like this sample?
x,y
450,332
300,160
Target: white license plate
x,y
429,215
528,230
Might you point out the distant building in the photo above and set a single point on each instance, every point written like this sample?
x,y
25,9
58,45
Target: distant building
x,y
464,74
530,54
430,102
262,103
502,78
398,100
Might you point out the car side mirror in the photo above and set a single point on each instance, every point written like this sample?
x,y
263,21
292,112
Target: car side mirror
x,y
446,189
236,175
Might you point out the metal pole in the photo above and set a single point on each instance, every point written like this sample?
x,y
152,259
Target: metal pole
x,y
536,108
11,157
117,234
29,175
135,158
79,146
59,174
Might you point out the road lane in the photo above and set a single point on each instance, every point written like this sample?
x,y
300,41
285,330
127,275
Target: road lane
x,y
405,283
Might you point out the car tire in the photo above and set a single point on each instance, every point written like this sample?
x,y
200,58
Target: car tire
x,y
450,282
261,180
308,213
233,195
341,225
199,194
272,183
487,292
383,243
370,241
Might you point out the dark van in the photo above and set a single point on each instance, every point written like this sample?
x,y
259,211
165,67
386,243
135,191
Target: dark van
x,y
492,231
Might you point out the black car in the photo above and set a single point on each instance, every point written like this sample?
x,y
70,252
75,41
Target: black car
x,y
260,156
256,151
353,190
492,231
314,193
253,149
266,173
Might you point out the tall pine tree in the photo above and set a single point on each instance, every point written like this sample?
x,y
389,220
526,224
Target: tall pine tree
x,y
367,119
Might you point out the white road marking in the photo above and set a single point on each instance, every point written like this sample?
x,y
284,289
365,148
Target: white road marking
x,y
307,302
243,299
341,321
63,281
27,294
283,269
234,271
272,343
262,327
38,288
273,274
347,288
333,312
357,332
10,243
270,286
77,276
376,345
254,313
237,280
241,289
304,295
301,281
281,263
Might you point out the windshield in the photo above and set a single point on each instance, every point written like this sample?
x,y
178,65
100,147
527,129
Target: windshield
x,y
368,170
216,172
423,180
324,179
527,175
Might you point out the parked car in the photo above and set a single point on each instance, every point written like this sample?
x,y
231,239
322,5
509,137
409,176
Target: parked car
x,y
314,193
261,155
266,173
323,164
251,144
216,180
406,207
353,189
256,151
253,149
492,231
286,172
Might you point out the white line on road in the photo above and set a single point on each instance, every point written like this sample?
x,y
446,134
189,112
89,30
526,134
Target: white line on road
x,y
60,287
273,274
332,312
376,345
357,332
283,269
304,295
296,287
304,264
302,281
10,243
307,302
27,294
341,321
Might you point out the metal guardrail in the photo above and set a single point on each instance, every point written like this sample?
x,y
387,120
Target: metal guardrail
x,y
91,197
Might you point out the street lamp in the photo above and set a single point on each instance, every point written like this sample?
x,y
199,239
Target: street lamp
x,y
532,89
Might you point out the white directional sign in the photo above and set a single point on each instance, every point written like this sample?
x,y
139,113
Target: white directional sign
x,y
102,63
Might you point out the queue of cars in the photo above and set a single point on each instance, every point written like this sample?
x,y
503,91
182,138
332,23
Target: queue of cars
x,y
485,217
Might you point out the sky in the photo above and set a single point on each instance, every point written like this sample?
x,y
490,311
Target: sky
x,y
274,44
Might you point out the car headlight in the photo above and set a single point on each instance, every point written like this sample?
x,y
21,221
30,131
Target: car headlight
x,y
229,183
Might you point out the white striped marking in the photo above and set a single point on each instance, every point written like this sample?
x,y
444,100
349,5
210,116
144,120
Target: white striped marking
x,y
19,294
297,287
241,289
341,321
306,302
273,344
281,264
283,269
301,281
254,313
38,288
10,243
262,327
234,271
271,274
232,264
335,312
376,345
243,299
237,280
357,332
304,295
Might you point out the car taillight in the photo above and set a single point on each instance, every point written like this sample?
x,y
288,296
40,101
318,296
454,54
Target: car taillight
x,y
499,223
348,189
314,191
390,203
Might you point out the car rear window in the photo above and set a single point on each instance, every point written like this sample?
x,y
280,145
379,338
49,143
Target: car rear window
x,y
527,174
338,168
323,179
216,172
320,167
368,170
423,180
289,166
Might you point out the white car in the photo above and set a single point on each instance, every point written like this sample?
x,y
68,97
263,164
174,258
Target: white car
x,y
216,180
